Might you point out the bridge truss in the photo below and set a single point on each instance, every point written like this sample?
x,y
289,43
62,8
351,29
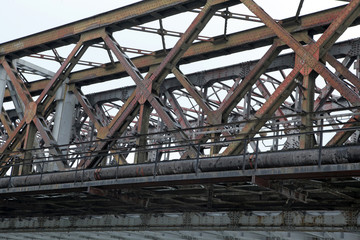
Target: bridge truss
x,y
183,129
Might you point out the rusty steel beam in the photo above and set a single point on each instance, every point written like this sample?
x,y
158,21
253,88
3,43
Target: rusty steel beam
x,y
342,70
192,91
60,76
148,88
180,162
20,88
36,111
115,20
328,89
261,36
345,18
153,82
6,122
304,55
15,138
342,136
258,37
178,110
90,111
29,133
349,14
233,97
185,42
266,111
205,78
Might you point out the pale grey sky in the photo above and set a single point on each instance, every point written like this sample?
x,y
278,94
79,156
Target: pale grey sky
x,y
25,17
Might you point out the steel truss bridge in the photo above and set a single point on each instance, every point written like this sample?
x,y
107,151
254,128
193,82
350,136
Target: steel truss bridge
x,y
237,126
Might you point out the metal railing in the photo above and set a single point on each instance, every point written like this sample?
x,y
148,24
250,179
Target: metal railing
x,y
162,147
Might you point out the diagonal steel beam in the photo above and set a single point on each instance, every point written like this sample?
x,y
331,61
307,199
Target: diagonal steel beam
x,y
348,15
15,138
204,78
177,109
90,111
266,94
36,110
143,92
266,111
241,41
288,84
5,120
344,20
60,76
192,91
30,130
20,88
328,89
146,86
342,70
233,97
261,36
185,42
341,136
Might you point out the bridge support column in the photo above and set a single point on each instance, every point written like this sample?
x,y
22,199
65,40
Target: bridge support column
x,y
64,120
307,140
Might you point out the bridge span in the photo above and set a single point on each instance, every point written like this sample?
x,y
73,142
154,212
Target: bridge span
x,y
184,119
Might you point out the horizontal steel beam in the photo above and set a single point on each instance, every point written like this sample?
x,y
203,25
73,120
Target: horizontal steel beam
x,y
330,221
257,234
115,20
258,37
349,48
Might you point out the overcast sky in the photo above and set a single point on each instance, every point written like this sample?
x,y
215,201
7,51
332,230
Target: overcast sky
x,y
25,17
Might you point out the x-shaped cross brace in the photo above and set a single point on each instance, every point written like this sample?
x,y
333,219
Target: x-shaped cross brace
x,y
307,57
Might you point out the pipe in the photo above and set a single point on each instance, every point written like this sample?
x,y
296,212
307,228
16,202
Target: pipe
x,y
334,155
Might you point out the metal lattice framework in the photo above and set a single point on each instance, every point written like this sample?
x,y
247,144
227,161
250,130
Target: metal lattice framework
x,y
258,132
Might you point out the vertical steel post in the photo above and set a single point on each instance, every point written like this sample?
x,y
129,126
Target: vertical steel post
x,y
307,140
3,79
64,120
321,140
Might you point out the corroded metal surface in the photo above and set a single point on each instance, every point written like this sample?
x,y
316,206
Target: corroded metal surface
x,y
196,125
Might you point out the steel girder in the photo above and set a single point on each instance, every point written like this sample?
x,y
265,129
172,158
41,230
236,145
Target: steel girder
x,y
113,21
331,221
308,58
206,78
197,116
240,41
148,88
217,187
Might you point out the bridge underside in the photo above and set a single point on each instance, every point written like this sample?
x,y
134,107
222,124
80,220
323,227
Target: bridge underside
x,y
239,126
